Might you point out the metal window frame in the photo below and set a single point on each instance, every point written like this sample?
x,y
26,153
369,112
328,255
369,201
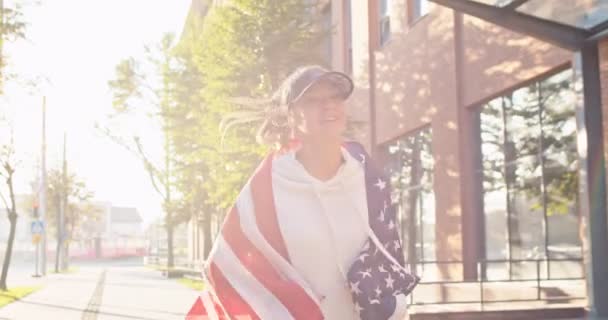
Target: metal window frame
x,y
558,34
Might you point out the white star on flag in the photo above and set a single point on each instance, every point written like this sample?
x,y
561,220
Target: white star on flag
x,y
358,308
381,184
366,274
374,301
389,281
381,268
378,291
354,288
391,225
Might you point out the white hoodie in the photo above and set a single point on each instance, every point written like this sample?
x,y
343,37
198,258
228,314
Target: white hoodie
x,y
321,227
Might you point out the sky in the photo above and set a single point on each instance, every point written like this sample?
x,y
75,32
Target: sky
x,y
71,50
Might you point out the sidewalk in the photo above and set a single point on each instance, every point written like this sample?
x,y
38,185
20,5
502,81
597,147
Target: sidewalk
x,y
104,292
141,293
63,296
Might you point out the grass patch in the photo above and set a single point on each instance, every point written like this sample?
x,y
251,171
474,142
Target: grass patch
x,y
15,294
191,283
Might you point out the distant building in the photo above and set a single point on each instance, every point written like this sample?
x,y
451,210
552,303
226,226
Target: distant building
x,y
114,232
123,235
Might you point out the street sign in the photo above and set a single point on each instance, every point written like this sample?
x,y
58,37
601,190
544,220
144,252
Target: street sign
x,y
37,227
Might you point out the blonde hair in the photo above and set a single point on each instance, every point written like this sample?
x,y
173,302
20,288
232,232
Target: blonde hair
x,y
271,117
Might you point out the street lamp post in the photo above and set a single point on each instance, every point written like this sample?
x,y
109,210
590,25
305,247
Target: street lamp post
x,y
43,190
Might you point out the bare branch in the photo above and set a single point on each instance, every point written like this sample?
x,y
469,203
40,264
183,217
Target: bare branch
x,y
116,139
153,172
4,201
151,91
138,151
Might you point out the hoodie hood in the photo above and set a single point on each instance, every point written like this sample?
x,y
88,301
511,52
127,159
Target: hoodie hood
x,y
291,173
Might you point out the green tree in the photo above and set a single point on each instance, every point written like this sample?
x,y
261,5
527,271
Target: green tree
x,y
11,27
191,170
246,48
146,90
72,193
8,165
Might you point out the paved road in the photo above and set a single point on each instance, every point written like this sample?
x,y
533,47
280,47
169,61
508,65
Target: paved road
x,y
104,291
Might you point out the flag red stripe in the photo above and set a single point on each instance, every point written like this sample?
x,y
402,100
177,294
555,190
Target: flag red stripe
x,y
231,300
290,294
265,210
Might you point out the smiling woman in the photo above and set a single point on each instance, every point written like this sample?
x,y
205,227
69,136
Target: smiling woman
x,y
313,234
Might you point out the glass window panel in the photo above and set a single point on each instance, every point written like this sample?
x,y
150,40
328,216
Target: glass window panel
x,y
529,166
523,174
384,8
410,167
495,191
560,167
384,20
420,8
499,3
584,14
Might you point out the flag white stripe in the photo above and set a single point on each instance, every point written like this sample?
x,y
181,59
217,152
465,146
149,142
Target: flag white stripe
x,y
260,299
252,232
208,303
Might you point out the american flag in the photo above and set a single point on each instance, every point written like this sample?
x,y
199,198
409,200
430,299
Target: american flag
x,y
378,280
249,270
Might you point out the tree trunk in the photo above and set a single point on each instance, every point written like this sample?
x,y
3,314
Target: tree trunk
x,y
12,217
170,261
513,234
412,218
207,234
66,255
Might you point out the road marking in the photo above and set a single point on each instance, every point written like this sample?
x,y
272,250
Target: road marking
x,y
92,310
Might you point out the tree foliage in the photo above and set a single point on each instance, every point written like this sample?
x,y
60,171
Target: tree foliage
x,y
241,49
12,27
78,208
246,49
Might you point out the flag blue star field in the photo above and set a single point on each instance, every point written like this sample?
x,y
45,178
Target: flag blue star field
x,y
377,281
